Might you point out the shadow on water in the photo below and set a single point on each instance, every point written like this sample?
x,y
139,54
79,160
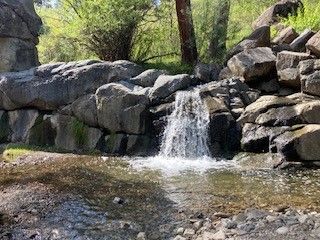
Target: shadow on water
x,y
98,182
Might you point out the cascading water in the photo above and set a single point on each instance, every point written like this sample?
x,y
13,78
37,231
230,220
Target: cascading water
x,y
186,134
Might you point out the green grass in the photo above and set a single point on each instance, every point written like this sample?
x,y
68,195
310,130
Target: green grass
x,y
11,154
307,18
79,131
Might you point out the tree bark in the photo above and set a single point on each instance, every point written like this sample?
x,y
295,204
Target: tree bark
x,y
189,54
217,45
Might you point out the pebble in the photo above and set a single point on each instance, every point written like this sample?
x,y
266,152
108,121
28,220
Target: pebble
x,y
282,230
220,235
189,232
221,215
179,238
118,200
197,225
270,218
141,236
180,231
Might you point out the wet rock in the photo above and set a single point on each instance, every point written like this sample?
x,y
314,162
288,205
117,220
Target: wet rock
x,y
115,144
207,72
122,108
286,36
273,14
147,78
166,85
299,44
287,67
314,44
253,64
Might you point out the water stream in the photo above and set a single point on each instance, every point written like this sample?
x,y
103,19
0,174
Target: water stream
x,y
186,134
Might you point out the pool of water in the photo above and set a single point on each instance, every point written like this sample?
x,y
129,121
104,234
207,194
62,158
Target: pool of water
x,y
155,189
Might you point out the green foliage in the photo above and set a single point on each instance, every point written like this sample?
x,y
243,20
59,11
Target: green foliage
x,y
308,17
79,131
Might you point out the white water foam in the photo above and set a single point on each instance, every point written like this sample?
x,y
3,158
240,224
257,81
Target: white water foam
x,y
185,142
187,132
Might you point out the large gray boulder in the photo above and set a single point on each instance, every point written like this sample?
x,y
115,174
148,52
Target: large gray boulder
x,y
73,135
85,109
147,78
287,67
273,14
301,144
51,86
257,138
122,108
19,31
20,122
166,85
253,64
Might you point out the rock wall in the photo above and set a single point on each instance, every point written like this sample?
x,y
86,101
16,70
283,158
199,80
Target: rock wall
x,y
19,30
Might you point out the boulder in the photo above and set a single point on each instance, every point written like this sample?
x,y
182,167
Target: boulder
x,y
17,55
256,138
273,14
301,113
263,104
287,67
207,72
301,144
51,86
253,64
224,132
286,36
122,108
258,38
20,122
314,44
4,127
147,78
19,31
167,85
42,133
73,135
85,110
299,44
123,144
309,71
225,74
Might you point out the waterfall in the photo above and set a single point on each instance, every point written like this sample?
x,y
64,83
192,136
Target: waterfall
x,y
186,134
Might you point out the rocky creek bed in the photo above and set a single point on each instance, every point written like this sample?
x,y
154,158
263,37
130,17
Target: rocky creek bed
x,y
56,196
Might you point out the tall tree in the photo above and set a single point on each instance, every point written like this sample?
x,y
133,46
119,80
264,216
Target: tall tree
x,y
218,39
189,54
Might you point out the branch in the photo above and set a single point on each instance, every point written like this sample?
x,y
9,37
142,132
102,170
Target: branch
x,y
159,56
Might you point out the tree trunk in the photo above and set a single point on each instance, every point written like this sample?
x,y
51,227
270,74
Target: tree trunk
x,y
189,54
217,45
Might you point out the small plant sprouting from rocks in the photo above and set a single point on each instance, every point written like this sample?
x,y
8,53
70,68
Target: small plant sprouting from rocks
x,y
79,131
